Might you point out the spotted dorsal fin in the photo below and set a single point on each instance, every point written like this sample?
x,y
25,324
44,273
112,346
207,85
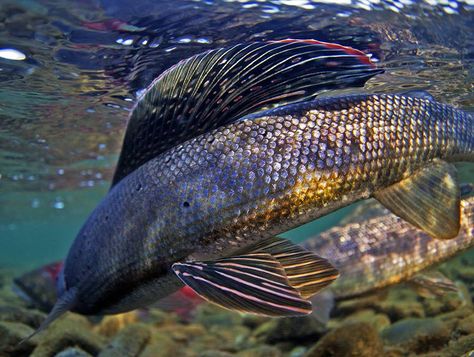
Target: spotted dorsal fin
x,y
217,87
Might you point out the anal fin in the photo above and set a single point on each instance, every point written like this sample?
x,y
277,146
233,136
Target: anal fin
x,y
429,199
253,283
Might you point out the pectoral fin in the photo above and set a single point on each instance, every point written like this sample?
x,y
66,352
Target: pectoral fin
x,y
432,284
306,272
429,199
254,283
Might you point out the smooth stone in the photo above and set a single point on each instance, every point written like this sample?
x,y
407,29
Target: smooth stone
x,y
466,325
110,325
215,353
182,333
298,351
466,273
71,330
464,346
253,321
402,310
378,321
349,306
73,352
289,329
32,318
261,351
158,317
161,345
212,315
129,342
441,305
418,335
11,334
354,339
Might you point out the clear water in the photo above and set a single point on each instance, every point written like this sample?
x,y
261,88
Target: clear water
x,y
70,72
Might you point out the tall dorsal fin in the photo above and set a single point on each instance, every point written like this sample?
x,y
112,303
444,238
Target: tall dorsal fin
x,y
217,87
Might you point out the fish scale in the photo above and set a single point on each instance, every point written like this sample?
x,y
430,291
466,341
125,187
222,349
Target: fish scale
x,y
384,250
265,174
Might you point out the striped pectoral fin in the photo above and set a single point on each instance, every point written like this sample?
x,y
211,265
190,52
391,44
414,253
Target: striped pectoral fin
x,y
429,199
306,271
253,283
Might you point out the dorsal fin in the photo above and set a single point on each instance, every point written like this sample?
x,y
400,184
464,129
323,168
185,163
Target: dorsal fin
x,y
217,87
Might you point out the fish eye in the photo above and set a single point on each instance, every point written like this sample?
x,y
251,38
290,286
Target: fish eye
x,y
186,204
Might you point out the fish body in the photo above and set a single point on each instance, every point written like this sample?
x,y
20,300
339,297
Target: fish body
x,y
202,186
248,181
386,250
371,253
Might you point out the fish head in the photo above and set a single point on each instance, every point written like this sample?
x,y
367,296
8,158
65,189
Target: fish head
x,y
121,258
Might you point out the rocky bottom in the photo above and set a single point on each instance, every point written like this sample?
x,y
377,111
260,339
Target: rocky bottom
x,y
396,322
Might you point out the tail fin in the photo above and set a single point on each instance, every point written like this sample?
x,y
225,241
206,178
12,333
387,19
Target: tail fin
x,y
64,304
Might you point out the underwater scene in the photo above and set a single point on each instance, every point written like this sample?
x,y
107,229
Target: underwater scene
x,y
216,178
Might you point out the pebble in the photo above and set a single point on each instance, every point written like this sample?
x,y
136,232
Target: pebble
x,y
69,330
73,352
355,339
419,335
292,329
129,342
378,321
11,334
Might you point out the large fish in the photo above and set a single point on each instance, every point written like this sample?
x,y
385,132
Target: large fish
x,y
370,253
202,189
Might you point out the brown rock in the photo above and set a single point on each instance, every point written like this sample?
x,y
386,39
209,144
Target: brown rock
x,y
289,329
69,331
378,321
356,339
215,353
161,346
11,334
261,351
129,342
112,324
466,325
464,345
418,335
32,318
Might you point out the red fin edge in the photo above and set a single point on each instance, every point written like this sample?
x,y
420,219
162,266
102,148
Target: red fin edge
x,y
349,50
